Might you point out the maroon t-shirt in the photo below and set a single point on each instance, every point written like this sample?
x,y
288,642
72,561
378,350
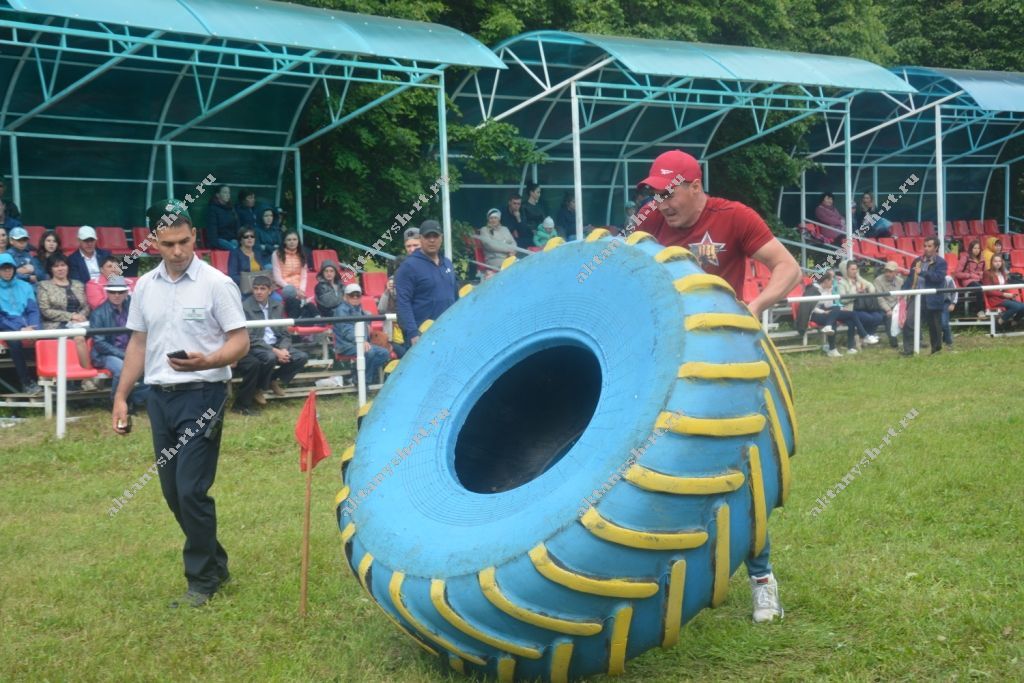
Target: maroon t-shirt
x,y
725,235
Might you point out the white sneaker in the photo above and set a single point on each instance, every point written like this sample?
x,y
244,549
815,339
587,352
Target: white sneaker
x,y
833,353
851,351
765,591
827,329
871,339
88,385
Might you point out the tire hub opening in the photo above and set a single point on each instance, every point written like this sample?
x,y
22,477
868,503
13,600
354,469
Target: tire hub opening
x,y
528,419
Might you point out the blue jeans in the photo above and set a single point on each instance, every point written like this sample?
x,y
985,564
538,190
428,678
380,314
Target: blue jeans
x,y
761,565
947,331
1013,309
226,244
115,365
881,228
853,324
870,320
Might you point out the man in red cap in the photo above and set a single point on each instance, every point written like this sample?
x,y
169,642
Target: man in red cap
x,y
722,234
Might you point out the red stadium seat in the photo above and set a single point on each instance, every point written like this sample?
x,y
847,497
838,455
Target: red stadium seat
x,y
906,244
46,361
870,249
113,240
140,235
928,229
68,235
918,244
960,229
321,255
991,226
35,233
750,290
375,283
1016,241
759,271
897,229
911,229
370,306
887,242
1017,258
219,259
976,227
952,261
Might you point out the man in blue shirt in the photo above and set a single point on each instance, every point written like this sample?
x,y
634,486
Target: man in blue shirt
x,y
425,283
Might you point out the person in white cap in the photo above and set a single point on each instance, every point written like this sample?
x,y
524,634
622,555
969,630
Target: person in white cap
x,y
496,240
545,231
85,261
28,267
345,334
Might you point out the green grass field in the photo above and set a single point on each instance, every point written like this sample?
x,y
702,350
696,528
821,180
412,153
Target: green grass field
x,y
912,573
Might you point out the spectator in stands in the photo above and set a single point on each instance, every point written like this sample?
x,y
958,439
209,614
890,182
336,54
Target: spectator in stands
x,y
545,231
889,281
245,209
949,300
221,221
868,223
330,289
869,313
269,348
49,244
412,240
993,246
516,223
290,264
565,219
827,214
533,213
4,240
995,299
95,288
85,261
245,259
926,272
969,273
18,311
12,208
26,264
268,233
345,335
7,221
496,240
820,312
108,349
838,314
62,303
388,303
425,284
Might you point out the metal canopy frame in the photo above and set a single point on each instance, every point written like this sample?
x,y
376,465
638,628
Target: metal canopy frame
x,y
582,100
943,129
212,92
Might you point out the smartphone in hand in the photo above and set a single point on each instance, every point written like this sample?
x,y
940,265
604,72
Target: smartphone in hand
x,y
178,355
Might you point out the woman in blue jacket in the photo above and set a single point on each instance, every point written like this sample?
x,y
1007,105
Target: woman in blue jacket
x,y
18,311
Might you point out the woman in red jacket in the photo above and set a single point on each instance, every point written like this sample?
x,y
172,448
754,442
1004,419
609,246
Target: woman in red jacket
x,y
970,272
1005,299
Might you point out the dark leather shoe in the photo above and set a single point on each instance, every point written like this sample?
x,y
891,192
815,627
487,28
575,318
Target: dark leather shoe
x,y
191,599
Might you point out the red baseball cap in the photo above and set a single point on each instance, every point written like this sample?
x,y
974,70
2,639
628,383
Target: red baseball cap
x,y
670,165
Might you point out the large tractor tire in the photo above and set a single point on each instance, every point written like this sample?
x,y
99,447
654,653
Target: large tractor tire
x,y
571,462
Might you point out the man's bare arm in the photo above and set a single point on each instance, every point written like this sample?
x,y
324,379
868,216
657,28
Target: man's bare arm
x,y
785,276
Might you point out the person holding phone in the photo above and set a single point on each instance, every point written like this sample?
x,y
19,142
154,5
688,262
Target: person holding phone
x,y
187,329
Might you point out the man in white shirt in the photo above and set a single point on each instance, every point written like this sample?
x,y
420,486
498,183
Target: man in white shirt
x,y
84,263
187,329
269,348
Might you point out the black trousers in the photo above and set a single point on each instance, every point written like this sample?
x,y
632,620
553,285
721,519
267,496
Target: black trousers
x,y
933,319
16,350
180,421
257,371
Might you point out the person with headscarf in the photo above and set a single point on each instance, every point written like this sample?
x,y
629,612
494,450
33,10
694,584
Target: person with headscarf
x,y
18,312
268,232
993,245
545,231
497,241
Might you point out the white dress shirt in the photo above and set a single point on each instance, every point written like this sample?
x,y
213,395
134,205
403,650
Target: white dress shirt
x,y
193,313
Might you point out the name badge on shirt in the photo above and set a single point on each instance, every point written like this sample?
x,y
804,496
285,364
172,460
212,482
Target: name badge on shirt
x,y
194,314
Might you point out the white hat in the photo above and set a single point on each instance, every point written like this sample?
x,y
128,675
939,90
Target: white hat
x,y
548,223
353,288
86,232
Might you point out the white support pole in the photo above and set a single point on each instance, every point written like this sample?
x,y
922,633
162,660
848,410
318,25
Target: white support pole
x,y
16,174
1006,199
169,169
360,333
848,182
62,387
940,182
298,192
577,168
803,217
442,150
917,324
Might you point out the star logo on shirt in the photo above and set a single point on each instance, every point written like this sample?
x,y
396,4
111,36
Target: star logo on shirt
x,y
707,250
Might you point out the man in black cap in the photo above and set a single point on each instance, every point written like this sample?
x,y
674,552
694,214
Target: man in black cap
x,y
187,329
425,283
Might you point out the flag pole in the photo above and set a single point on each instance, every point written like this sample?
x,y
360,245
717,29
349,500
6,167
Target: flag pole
x,y
304,581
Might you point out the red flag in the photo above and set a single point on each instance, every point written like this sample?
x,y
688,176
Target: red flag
x,y
309,435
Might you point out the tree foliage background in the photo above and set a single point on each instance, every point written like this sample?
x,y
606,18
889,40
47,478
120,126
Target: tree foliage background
x,y
359,174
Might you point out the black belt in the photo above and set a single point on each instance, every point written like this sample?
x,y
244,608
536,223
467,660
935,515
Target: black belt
x,y
185,386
